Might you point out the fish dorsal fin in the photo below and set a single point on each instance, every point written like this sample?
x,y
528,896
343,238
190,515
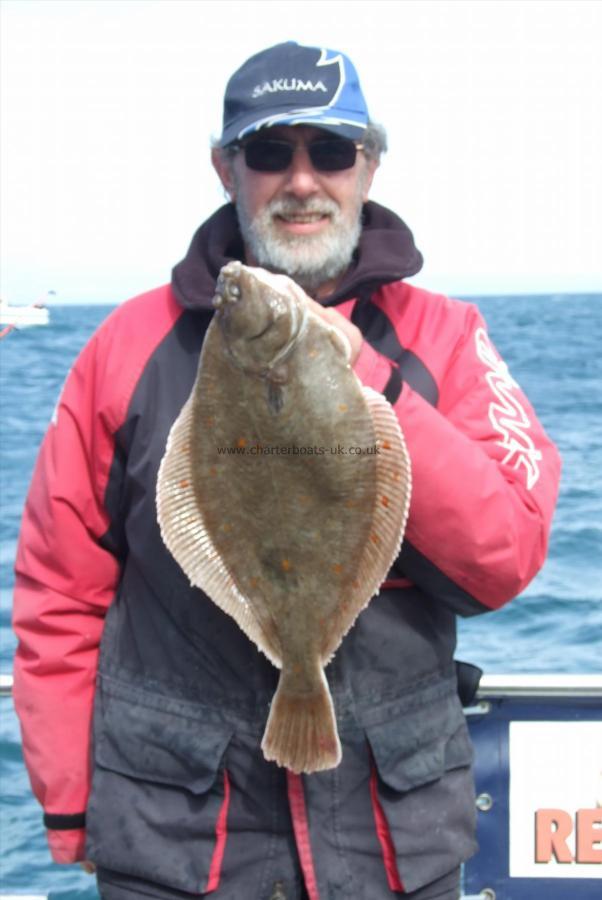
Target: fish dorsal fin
x,y
389,517
184,532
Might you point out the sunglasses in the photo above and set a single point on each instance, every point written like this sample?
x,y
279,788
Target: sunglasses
x,y
326,155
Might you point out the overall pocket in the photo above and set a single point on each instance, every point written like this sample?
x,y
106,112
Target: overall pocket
x,y
158,805
425,789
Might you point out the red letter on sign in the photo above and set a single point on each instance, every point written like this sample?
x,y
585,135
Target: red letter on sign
x,y
552,828
588,835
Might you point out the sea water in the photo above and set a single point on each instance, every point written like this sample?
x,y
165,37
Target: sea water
x,y
553,346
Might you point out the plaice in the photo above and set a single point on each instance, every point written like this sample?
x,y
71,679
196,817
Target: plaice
x,y
283,494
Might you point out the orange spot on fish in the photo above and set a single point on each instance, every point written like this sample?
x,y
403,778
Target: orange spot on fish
x,y
343,407
337,568
312,354
384,501
286,565
184,483
386,445
375,538
241,442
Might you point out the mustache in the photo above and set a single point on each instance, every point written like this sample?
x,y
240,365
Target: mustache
x,y
287,206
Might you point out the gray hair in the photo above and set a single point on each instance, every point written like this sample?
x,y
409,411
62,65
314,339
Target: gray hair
x,y
374,141
227,153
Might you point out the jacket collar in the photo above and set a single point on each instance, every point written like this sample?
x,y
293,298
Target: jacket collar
x,y
386,252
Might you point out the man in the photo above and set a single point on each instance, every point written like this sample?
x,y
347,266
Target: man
x,y
175,799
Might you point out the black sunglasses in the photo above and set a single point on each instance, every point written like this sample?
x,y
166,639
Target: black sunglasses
x,y
326,154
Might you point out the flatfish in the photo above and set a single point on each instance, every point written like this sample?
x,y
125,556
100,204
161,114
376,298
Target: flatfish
x,y
283,494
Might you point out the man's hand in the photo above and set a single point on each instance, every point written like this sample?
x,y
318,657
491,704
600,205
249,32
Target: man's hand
x,y
337,320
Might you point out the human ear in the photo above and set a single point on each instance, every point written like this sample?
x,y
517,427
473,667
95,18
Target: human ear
x,y
223,166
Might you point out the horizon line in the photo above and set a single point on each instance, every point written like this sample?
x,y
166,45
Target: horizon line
x,y
460,295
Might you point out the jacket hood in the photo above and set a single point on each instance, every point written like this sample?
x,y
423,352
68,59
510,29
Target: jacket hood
x,y
386,252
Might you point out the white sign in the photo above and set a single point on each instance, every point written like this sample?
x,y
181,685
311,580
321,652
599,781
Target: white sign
x,y
555,800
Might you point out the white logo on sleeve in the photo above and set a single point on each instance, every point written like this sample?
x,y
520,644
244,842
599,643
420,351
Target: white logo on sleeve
x,y
506,414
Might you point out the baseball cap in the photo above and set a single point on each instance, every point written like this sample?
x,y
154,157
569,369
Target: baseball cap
x,y
289,84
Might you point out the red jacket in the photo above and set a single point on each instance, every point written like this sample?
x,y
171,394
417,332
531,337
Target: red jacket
x,y
485,479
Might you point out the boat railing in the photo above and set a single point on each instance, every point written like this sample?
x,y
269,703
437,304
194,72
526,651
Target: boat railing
x,y
538,774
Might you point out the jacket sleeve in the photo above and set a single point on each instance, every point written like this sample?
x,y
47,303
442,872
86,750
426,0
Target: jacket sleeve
x,y
484,480
65,581
484,473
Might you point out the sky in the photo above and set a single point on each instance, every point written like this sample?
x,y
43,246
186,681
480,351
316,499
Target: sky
x,y
492,111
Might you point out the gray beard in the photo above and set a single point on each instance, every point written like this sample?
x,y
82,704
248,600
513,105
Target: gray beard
x,y
310,260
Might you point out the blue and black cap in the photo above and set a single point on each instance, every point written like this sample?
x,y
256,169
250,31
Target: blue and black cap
x,y
293,85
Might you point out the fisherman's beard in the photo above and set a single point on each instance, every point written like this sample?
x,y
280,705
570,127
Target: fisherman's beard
x,y
309,259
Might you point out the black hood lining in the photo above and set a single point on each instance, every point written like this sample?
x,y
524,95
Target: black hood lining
x,y
386,253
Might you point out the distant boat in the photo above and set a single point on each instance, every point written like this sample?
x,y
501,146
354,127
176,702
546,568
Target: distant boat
x,y
22,316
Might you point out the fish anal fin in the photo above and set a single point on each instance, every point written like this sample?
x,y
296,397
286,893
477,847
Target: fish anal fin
x,y
389,518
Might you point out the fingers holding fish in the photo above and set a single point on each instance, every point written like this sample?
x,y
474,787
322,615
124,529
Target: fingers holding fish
x,y
335,319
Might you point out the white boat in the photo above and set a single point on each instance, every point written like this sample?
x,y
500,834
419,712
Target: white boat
x,y
23,316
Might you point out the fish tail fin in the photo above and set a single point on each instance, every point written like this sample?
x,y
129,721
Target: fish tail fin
x,y
301,732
